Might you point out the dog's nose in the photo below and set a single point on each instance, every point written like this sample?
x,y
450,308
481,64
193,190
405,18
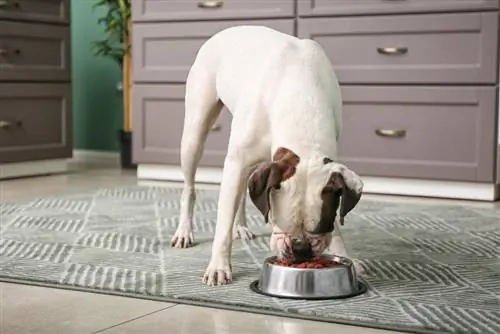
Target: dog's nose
x,y
301,250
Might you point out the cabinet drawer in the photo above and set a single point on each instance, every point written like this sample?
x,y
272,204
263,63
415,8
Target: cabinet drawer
x,y
168,10
158,122
419,49
53,11
34,52
445,133
164,52
35,122
366,7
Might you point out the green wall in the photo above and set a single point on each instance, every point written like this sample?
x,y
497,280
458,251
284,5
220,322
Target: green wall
x,y
97,105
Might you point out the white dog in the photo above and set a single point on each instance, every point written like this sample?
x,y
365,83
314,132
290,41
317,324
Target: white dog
x,y
286,105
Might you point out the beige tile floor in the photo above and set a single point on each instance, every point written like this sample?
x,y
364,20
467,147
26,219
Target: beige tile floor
x,y
37,310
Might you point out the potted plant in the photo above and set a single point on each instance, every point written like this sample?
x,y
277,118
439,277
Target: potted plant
x,y
116,45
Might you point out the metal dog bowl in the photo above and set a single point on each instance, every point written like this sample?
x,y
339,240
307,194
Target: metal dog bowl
x,y
336,282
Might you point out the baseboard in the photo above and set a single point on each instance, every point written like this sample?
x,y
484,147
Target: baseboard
x,y
33,168
174,173
431,188
94,158
373,185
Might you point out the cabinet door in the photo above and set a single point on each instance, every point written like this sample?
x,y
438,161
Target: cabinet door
x,y
164,52
355,7
443,133
35,122
34,52
417,49
190,10
158,122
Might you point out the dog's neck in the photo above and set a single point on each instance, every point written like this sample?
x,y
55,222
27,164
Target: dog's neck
x,y
311,156
306,126
309,143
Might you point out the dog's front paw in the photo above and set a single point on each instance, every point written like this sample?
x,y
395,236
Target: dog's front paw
x,y
242,232
218,273
183,238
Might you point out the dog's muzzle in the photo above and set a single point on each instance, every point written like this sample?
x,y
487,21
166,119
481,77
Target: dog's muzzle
x,y
296,249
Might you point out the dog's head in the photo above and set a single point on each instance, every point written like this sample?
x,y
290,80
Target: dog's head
x,y
301,200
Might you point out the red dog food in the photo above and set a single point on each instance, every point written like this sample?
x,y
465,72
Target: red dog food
x,y
312,264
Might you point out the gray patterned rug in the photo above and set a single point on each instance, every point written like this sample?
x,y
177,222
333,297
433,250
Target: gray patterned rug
x,y
429,268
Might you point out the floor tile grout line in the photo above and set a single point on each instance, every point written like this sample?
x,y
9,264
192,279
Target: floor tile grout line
x,y
134,319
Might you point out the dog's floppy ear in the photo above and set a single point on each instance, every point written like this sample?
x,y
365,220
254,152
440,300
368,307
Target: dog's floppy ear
x,y
347,184
269,176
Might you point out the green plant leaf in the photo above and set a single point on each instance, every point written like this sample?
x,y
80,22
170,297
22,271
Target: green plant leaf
x,y
117,14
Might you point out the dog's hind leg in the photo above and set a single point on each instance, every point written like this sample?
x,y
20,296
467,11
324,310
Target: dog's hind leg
x,y
241,230
202,107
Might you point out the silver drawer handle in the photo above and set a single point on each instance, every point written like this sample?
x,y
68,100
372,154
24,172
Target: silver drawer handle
x,y
391,133
393,51
216,127
7,125
211,4
5,52
7,3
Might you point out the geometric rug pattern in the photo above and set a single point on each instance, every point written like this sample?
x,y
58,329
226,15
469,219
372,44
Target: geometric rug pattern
x,y
429,268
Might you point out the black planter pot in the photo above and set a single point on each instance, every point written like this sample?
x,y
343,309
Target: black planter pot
x,y
125,139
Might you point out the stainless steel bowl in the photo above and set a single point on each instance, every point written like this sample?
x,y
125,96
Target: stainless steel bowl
x,y
298,283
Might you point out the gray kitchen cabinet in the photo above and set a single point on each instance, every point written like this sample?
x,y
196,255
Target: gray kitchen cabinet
x,y
442,133
158,121
35,81
34,52
369,7
419,49
188,10
35,122
49,11
167,50
419,79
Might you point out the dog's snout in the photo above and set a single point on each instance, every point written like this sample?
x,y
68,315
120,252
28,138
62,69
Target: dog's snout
x,y
301,249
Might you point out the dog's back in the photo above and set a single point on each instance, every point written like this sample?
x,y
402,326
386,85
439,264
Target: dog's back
x,y
256,63
239,57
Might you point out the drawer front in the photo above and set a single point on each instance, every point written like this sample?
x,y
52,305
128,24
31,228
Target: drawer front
x,y
51,11
35,122
158,122
171,10
445,133
34,52
419,49
164,52
354,7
